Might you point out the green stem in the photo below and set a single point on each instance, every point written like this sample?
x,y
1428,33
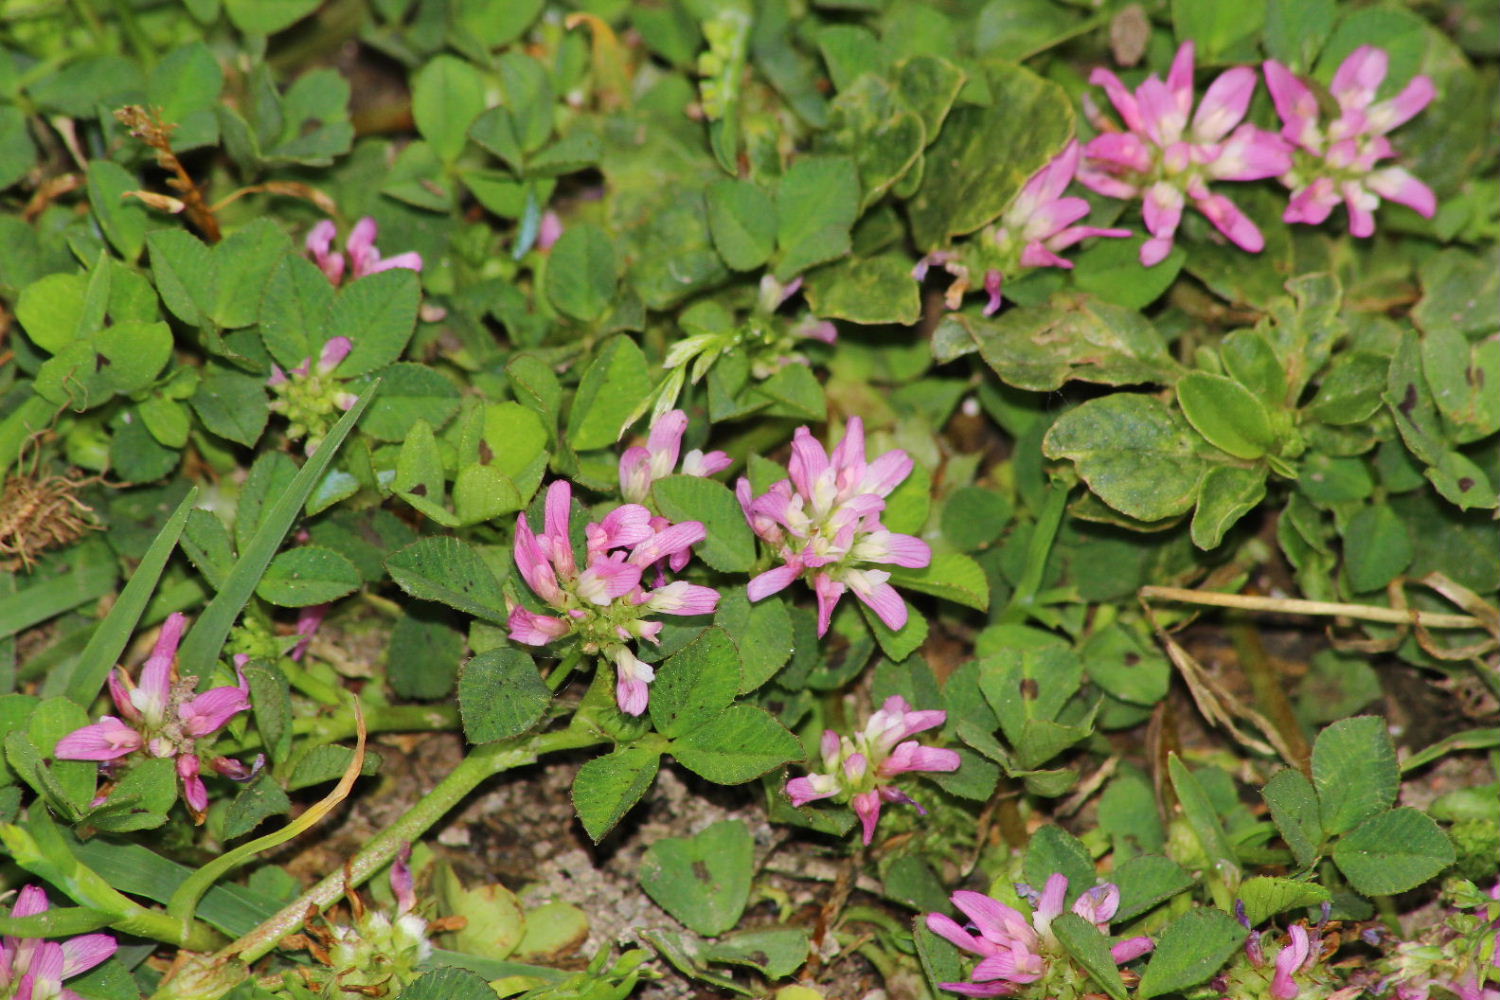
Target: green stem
x,y
484,762
378,719
314,687
1043,534
563,670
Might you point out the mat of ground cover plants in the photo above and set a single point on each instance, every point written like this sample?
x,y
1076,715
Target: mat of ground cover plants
x,y
848,499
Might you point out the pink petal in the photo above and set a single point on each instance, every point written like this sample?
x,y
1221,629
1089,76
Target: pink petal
x,y
1162,113
1106,183
1359,77
635,474
1099,904
1361,205
1131,949
82,953
992,282
1053,895
626,526
945,926
883,546
1251,154
1290,959
44,973
998,923
870,587
403,886
361,246
1180,76
1295,102
828,591
886,473
1053,217
320,239
236,770
193,791
1313,203
119,693
697,463
1037,255
155,685
772,581
1229,220
823,330
211,710
559,510
683,598
550,231
411,261
866,806
1399,110
665,441
848,458
533,565
1120,96
801,791
808,462
309,620
31,900
632,678
319,244
913,756
1395,184
1155,251
1020,965
107,739
534,629
333,353
979,989
676,538
607,579
1224,104
1163,209
1118,150
1074,234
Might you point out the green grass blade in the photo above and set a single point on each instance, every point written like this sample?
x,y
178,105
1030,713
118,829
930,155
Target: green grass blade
x,y
204,640
57,663
142,872
52,597
113,634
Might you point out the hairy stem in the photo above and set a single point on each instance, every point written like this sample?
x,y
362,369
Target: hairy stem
x,y
484,762
378,719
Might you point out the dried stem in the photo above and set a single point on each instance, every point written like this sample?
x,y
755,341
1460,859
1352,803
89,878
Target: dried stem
x,y
147,126
1294,606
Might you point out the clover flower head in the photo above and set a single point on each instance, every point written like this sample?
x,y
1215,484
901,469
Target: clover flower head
x,y
861,770
360,257
309,395
824,523
605,603
641,466
163,717
34,969
1339,163
1168,153
1458,955
379,952
1015,950
1039,223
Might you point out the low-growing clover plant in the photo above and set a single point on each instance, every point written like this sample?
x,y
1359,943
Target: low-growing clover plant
x,y
845,410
